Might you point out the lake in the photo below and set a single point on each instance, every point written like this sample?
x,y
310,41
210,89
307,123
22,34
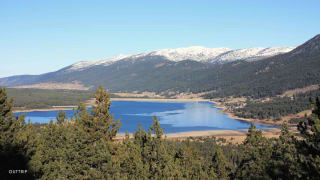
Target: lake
x,y
173,116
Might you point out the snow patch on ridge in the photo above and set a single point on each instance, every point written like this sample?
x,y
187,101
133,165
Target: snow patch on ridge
x,y
250,54
196,53
106,62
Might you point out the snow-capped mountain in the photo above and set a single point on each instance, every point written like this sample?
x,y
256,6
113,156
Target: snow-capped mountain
x,y
86,64
196,53
250,54
205,69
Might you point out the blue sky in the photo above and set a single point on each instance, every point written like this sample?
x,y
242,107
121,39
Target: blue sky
x,y
42,36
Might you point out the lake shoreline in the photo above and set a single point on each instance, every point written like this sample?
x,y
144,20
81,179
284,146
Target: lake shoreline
x,y
233,136
224,110
54,108
161,99
57,108
219,105
219,133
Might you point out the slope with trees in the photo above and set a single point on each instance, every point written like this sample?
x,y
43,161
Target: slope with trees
x,y
277,107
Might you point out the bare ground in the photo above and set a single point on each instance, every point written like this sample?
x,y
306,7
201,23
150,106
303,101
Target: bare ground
x,y
231,136
66,86
290,93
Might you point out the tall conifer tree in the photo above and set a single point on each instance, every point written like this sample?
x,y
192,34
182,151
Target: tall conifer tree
x,y
310,145
256,155
14,150
219,164
93,138
284,157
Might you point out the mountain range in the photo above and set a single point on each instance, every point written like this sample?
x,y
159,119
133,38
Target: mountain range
x,y
254,72
195,53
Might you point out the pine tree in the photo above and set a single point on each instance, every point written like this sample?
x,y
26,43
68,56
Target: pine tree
x,y
93,136
50,158
6,117
284,159
102,119
132,166
154,152
81,148
14,152
256,152
219,164
309,147
140,137
189,162
29,138
61,117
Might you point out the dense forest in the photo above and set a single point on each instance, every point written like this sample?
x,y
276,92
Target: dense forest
x,y
44,98
277,107
85,148
265,78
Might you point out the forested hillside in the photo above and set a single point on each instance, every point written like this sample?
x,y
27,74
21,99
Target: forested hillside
x,y
296,69
268,77
277,107
45,98
86,149
41,98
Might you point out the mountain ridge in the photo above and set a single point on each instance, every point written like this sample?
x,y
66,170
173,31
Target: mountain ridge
x,y
196,53
268,76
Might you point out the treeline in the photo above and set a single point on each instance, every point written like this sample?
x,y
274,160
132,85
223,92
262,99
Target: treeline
x,y
44,98
277,107
85,148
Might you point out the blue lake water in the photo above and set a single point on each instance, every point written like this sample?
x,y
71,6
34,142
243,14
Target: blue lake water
x,y
173,116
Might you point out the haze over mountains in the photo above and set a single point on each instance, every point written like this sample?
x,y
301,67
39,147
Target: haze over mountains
x,y
254,71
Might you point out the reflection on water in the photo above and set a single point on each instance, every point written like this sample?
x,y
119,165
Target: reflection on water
x,y
198,114
201,114
173,116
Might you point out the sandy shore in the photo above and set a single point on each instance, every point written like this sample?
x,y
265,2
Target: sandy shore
x,y
53,108
233,136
